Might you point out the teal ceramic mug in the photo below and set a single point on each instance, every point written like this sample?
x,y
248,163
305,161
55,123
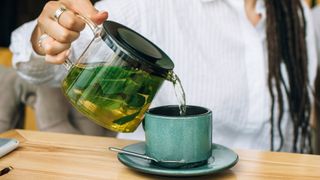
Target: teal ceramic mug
x,y
171,137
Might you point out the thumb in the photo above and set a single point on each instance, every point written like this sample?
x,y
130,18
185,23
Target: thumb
x,y
85,8
100,17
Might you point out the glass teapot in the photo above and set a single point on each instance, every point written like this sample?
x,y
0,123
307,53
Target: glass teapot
x,y
117,76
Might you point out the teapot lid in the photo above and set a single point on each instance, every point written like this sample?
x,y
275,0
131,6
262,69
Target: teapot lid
x,y
135,47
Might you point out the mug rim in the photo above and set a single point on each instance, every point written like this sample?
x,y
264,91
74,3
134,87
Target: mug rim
x,y
208,111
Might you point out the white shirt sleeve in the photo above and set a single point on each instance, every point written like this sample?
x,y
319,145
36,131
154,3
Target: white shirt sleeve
x,y
29,65
316,22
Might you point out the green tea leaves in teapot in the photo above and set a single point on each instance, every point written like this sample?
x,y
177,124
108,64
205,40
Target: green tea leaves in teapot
x,y
111,95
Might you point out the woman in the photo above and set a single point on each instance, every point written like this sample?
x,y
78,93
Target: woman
x,y
250,61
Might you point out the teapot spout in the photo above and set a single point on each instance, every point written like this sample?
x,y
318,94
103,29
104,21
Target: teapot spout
x,y
171,76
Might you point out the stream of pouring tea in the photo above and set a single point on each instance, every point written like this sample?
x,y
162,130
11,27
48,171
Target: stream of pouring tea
x,y
179,91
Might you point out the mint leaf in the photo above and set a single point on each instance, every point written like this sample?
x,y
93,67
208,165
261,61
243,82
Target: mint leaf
x,y
136,100
113,86
126,119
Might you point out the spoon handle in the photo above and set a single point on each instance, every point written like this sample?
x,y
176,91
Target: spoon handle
x,y
132,153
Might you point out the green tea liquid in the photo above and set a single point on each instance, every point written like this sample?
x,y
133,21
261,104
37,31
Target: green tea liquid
x,y
179,91
113,97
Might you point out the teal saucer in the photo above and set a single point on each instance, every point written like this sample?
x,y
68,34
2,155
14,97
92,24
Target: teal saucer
x,y
222,158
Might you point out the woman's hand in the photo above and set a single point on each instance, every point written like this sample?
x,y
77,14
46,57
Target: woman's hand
x,y
61,31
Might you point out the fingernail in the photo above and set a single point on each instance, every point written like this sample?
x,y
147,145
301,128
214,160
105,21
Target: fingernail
x,y
103,13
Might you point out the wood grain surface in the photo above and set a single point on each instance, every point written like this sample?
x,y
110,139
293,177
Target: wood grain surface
x,y
47,156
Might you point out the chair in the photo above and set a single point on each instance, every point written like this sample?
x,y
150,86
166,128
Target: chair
x,y
5,60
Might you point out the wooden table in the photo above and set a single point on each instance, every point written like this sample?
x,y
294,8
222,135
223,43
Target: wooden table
x,y
45,156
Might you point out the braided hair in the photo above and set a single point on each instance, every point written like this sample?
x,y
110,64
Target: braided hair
x,y
287,57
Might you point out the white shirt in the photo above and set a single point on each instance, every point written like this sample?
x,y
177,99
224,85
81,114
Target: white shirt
x,y
220,57
316,20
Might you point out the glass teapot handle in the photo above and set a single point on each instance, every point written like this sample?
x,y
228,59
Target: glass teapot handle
x,y
96,32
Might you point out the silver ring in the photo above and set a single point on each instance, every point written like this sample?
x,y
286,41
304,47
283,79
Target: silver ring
x,y
58,13
41,39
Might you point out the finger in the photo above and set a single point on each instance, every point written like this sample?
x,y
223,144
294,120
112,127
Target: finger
x,y
53,28
85,8
53,47
58,32
59,58
70,21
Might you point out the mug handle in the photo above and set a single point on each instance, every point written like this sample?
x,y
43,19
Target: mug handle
x,y
96,32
